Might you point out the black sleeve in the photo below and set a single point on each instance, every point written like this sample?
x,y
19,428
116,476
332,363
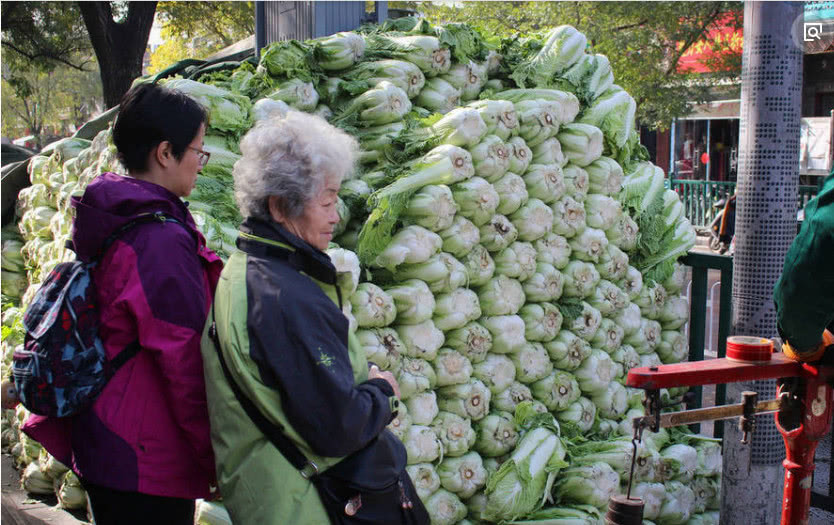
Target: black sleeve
x,y
302,345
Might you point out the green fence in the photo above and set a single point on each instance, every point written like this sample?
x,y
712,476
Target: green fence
x,y
807,193
701,264
699,198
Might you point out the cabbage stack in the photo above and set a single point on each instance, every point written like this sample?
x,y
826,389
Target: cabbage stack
x,y
508,252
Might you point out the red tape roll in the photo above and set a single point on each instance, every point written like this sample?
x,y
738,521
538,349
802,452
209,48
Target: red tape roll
x,y
749,349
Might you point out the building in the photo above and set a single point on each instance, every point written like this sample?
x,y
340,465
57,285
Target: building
x,y
305,20
704,144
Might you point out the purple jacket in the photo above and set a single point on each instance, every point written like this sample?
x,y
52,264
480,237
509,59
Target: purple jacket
x,y
148,431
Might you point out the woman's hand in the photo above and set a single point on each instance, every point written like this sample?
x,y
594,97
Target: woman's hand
x,y
10,399
375,372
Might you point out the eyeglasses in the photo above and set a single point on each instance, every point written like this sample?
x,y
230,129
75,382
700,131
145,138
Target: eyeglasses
x,y
204,156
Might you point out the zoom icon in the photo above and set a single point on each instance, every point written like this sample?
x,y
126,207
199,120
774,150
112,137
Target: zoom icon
x,y
811,31
812,36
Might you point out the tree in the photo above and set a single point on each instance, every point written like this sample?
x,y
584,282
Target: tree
x,y
172,50
49,103
27,114
220,24
199,29
49,69
110,38
43,35
119,44
644,45
79,96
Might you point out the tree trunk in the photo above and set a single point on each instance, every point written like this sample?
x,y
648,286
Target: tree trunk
x,y
120,47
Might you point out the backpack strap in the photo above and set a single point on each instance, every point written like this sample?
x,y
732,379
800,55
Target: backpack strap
x,y
133,348
130,351
143,218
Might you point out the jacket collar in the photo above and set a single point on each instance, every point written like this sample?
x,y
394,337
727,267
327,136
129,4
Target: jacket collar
x,y
268,238
111,201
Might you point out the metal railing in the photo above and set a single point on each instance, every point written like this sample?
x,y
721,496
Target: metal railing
x,y
699,198
807,193
701,264
701,329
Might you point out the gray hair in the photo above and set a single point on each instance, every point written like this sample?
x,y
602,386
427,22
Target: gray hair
x,y
290,157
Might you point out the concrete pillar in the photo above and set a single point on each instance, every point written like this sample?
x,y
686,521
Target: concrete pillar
x,y
768,173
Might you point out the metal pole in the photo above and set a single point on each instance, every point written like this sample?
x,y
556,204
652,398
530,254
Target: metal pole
x,y
260,27
830,164
672,150
381,11
768,173
709,138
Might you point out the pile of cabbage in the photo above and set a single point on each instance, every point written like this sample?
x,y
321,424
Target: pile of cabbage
x,y
40,473
507,251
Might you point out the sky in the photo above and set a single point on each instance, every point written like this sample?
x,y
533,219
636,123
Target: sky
x,y
155,38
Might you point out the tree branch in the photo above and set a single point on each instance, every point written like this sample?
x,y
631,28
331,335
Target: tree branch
x,y
56,57
635,25
218,31
708,21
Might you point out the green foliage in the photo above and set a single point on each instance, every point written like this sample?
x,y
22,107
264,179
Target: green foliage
x,y
660,272
651,227
171,51
199,29
14,333
41,35
210,26
219,195
570,308
49,70
45,103
389,202
465,42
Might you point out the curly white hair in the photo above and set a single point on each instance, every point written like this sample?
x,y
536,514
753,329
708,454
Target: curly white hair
x,y
290,157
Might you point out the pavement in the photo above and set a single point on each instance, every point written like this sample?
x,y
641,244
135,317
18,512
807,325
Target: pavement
x,y
21,508
822,468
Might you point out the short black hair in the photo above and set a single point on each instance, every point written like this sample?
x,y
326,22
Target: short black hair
x,y
150,114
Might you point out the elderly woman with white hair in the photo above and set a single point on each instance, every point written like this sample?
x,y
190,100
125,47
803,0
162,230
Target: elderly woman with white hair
x,y
297,417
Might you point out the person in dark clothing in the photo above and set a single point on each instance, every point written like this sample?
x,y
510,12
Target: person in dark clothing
x,y
804,294
142,450
283,334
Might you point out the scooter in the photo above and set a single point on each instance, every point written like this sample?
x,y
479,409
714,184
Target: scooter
x,y
722,231
723,226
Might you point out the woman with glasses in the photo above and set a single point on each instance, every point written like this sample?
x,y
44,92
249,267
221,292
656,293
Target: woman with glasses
x,y
142,450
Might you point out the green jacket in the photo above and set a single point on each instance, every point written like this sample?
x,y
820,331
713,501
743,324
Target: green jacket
x,y
285,341
804,294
